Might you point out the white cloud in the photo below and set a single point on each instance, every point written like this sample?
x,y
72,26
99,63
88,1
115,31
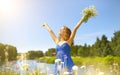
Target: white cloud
x,y
87,38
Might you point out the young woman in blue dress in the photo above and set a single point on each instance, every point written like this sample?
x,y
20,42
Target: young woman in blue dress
x,y
64,42
66,37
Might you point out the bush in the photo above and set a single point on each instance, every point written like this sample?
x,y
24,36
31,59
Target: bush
x,y
49,60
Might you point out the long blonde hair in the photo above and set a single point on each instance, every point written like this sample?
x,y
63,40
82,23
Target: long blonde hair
x,y
65,34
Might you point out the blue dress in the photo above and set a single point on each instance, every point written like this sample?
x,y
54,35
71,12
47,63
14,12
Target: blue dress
x,y
63,53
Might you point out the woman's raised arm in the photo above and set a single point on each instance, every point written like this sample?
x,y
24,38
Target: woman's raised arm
x,y
70,40
55,39
87,13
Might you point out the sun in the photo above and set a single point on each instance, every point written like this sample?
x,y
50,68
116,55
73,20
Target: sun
x,y
7,6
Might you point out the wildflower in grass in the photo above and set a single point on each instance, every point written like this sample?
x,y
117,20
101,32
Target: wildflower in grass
x,y
24,66
75,70
66,73
57,60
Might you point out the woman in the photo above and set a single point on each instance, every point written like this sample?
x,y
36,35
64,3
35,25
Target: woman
x,y
66,37
64,42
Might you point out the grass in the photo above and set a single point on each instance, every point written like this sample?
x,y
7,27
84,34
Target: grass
x,y
85,60
46,59
15,73
98,62
8,73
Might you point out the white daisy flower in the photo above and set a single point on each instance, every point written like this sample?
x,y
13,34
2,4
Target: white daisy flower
x,y
57,60
75,68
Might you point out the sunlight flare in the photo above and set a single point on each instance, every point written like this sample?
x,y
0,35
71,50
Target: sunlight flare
x,y
8,7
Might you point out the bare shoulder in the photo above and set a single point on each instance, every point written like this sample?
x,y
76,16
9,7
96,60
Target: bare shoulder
x,y
56,41
69,43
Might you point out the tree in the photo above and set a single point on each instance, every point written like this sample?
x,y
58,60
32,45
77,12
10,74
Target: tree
x,y
80,51
102,47
2,54
115,43
35,54
50,52
96,48
86,50
74,50
83,50
117,51
12,52
107,50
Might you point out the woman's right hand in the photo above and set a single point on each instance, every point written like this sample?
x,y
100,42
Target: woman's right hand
x,y
50,31
44,24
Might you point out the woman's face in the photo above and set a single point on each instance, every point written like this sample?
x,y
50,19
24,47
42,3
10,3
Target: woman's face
x,y
61,31
64,33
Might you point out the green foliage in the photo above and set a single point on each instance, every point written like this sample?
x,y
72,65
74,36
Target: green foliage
x,y
109,60
12,52
101,47
35,54
81,51
2,54
101,62
74,50
50,52
115,43
8,73
47,59
77,60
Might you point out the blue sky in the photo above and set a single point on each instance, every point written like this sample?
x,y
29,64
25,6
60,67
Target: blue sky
x,y
20,21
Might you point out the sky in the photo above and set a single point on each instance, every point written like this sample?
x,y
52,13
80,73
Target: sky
x,y
21,20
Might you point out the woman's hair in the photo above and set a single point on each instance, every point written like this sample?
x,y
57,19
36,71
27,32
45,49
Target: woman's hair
x,y
65,33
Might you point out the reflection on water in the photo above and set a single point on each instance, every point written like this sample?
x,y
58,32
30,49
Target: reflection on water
x,y
30,67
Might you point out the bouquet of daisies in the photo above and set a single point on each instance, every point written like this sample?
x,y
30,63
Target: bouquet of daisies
x,y
88,13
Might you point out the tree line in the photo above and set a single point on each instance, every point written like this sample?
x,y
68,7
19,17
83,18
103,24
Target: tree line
x,y
32,54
